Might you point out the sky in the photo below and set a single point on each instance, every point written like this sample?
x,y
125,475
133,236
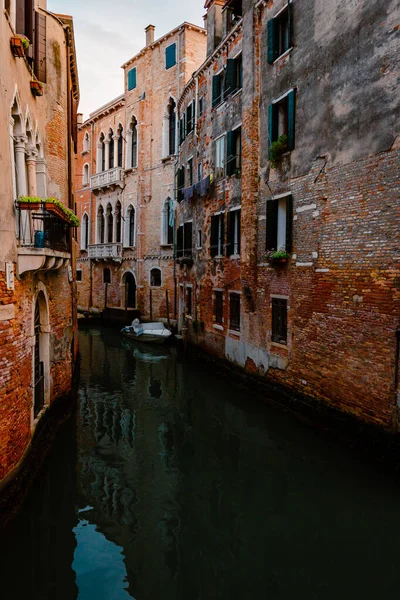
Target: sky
x,y
108,33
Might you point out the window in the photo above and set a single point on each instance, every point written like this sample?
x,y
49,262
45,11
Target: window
x,y
199,171
182,130
86,142
281,119
109,224
185,240
233,13
134,144
219,307
118,222
234,151
155,277
132,79
279,223
234,312
79,275
188,300
233,233
172,127
280,33
170,56
190,171
201,102
168,222
100,225
233,80
190,118
180,183
102,152
279,320
106,275
85,176
120,146
217,235
111,149
220,157
85,232
199,239
218,83
131,226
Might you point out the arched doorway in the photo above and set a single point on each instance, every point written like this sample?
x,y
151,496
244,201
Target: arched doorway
x,y
38,363
130,291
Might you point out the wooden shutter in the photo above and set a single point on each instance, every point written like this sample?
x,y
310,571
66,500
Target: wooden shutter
x,y
188,239
230,234
230,153
291,108
289,224
214,236
170,56
272,225
20,17
230,78
271,41
215,90
222,220
40,47
132,79
179,242
272,124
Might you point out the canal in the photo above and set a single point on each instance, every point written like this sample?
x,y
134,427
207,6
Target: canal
x,y
170,483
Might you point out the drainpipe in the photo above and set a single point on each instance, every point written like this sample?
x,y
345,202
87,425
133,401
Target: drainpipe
x,y
196,104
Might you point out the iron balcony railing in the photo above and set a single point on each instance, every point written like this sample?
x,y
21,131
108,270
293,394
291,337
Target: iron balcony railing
x,y
108,178
105,251
42,229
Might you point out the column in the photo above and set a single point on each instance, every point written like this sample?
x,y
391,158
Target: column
x,y
20,168
41,182
31,155
107,152
99,157
115,138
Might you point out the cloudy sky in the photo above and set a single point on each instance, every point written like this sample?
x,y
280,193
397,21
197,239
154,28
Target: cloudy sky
x,y
108,33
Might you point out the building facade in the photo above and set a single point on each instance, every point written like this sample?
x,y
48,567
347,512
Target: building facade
x,y
39,97
125,182
288,189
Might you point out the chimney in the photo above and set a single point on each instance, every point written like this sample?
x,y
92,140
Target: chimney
x,y
149,34
79,118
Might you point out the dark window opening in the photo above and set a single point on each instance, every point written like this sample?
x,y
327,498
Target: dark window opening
x,y
111,150
101,224
234,151
217,235
234,312
120,147
279,320
172,127
155,277
190,118
110,224
200,107
134,145
233,81
118,222
106,275
131,226
281,120
185,240
218,86
219,308
189,301
233,233
279,224
190,171
280,34
170,221
180,183
79,274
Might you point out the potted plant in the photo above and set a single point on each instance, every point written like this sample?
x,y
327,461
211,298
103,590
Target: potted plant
x,y
36,88
186,260
277,149
19,44
29,202
56,207
277,256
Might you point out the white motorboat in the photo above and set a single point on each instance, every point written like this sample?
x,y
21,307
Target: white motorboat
x,y
155,333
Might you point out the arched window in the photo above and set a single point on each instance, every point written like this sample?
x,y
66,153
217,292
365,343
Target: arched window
x,y
100,225
168,223
111,150
118,222
106,275
130,237
103,152
134,144
85,232
155,277
86,142
109,224
85,175
120,146
172,127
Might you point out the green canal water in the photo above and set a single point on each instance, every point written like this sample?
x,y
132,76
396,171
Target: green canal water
x,y
171,484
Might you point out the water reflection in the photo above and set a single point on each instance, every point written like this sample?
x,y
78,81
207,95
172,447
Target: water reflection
x,y
183,488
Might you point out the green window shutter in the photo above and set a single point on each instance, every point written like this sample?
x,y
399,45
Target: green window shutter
x,y
271,41
272,225
215,90
272,124
291,118
214,236
230,234
132,79
230,154
230,79
179,242
170,56
40,47
290,23
289,224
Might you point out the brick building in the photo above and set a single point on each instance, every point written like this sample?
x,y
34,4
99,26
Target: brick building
x,y
39,97
288,190
125,182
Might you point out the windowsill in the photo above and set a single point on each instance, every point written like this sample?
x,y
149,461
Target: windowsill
x,y
235,257
279,345
288,51
166,245
217,257
233,332
130,169
168,158
199,248
218,327
84,152
129,247
189,317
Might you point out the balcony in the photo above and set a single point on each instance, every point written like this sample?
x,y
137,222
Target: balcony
x,y
105,252
43,241
108,179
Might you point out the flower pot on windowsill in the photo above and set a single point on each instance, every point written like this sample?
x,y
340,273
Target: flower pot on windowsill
x,y
29,203
277,257
36,88
278,261
185,260
18,46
